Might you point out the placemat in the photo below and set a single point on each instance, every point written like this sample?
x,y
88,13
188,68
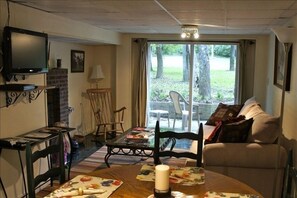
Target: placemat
x,y
83,186
210,194
183,175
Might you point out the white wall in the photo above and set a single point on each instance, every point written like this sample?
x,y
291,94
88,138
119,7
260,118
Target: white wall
x,y
124,79
274,94
23,117
32,19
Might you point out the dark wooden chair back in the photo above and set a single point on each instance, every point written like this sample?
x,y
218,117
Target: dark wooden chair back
x,y
290,178
54,171
3,189
104,113
178,135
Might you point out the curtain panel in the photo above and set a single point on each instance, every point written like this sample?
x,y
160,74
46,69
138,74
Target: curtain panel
x,y
139,82
246,70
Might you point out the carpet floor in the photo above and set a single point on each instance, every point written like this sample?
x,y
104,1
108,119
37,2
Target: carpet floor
x,y
96,161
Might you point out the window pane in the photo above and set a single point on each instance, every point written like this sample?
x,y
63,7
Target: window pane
x,y
213,77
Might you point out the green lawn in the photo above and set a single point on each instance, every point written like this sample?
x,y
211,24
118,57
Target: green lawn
x,y
222,85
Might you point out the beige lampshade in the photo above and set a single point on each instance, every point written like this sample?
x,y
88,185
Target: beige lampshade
x,y
285,34
97,73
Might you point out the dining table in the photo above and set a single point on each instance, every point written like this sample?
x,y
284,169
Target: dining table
x,y
132,187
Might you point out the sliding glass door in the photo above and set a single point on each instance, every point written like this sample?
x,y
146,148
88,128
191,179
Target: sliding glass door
x,y
203,74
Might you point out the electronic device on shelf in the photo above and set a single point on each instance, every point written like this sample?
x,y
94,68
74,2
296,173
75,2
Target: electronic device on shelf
x,y
24,52
18,87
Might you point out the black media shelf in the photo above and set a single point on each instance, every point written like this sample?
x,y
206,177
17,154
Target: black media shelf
x,y
14,91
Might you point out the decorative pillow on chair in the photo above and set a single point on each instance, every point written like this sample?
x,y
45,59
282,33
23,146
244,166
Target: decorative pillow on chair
x,y
223,112
236,132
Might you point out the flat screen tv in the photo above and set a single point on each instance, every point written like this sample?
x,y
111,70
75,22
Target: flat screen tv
x,y
24,52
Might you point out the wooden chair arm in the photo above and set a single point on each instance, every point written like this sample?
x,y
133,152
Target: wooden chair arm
x,y
119,114
119,110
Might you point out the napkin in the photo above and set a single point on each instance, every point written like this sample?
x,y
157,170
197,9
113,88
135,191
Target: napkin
x,y
78,192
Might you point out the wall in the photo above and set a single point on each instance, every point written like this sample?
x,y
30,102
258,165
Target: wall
x,y
274,94
55,26
23,116
116,63
77,82
124,79
81,118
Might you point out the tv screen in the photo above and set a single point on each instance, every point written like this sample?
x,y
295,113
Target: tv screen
x,y
25,51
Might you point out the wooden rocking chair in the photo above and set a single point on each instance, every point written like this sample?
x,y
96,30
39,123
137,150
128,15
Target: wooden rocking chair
x,y
104,113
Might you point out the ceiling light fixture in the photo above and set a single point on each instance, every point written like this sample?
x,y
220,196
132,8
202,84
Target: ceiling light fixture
x,y
189,31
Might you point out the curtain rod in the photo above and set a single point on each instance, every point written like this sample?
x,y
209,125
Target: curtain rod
x,y
199,41
252,41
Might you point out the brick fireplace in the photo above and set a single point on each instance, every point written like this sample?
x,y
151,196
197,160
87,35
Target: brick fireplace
x,y
57,97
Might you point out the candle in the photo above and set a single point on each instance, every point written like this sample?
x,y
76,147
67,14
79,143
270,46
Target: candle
x,y
162,178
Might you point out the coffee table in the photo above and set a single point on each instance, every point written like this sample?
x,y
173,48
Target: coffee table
x,y
121,145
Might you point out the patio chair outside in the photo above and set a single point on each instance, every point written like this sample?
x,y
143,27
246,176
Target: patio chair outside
x,y
180,105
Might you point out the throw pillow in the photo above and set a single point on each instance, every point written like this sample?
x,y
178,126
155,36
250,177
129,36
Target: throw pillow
x,y
236,132
251,100
249,103
213,137
254,111
223,112
265,129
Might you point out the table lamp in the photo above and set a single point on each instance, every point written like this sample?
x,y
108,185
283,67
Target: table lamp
x,y
96,74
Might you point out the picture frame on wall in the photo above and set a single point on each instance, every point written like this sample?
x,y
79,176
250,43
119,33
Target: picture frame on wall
x,y
77,61
279,66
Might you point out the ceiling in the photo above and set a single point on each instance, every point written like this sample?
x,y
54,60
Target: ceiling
x,y
166,16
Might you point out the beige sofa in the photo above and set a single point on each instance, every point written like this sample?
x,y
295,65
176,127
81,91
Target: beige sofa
x,y
260,162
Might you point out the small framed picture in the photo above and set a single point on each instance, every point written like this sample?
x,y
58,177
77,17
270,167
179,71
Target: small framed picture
x,y
77,61
279,66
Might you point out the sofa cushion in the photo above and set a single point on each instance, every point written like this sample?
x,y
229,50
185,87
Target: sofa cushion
x,y
249,155
223,112
236,132
265,129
